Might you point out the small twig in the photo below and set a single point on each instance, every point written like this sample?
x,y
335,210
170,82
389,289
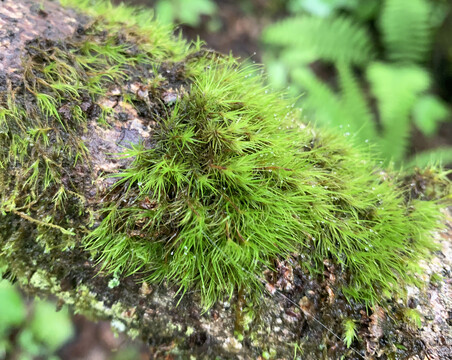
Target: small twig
x,y
273,168
218,167
39,222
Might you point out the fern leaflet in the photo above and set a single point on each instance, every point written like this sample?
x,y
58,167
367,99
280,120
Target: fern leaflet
x,y
396,89
332,39
406,29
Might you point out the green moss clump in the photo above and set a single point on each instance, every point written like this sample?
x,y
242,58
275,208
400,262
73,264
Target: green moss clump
x,y
44,118
232,179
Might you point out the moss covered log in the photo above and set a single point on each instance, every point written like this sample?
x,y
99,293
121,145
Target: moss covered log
x,y
164,186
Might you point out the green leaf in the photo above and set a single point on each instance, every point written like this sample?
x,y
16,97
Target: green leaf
x,y
49,326
320,100
25,356
428,112
366,10
277,74
321,8
406,29
360,117
165,12
347,111
330,39
190,11
396,89
29,344
187,12
12,308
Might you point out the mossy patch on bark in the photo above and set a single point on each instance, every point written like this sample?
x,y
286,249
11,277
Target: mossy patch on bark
x,y
145,159
223,180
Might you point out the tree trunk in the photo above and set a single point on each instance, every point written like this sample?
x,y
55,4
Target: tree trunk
x,y
300,315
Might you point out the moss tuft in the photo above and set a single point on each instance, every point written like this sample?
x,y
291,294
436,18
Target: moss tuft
x,y
350,333
46,116
233,180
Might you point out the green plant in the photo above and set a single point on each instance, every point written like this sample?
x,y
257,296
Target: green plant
x,y
185,11
324,8
395,76
225,189
436,279
37,334
62,79
349,332
297,351
413,318
233,179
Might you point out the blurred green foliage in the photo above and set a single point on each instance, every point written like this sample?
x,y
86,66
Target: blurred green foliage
x,y
28,332
322,8
378,84
12,308
183,11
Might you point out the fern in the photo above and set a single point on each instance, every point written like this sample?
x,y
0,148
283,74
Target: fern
x,y
330,39
346,110
186,12
406,29
355,103
428,112
396,89
320,99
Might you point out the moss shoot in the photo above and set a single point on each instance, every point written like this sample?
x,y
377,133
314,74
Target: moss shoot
x,y
230,181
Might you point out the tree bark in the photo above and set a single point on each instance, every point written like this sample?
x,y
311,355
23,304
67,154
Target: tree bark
x,y
300,315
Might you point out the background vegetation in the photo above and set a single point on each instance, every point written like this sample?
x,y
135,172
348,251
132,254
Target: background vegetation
x,y
30,330
378,85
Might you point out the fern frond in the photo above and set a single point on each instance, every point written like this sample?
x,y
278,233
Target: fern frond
x,y
428,112
347,110
406,29
360,117
293,56
396,89
319,99
330,39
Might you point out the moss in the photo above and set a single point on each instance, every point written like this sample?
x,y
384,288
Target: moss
x,y
350,332
230,181
234,180
46,115
413,318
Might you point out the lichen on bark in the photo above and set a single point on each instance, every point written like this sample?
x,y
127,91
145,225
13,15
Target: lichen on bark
x,y
161,185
